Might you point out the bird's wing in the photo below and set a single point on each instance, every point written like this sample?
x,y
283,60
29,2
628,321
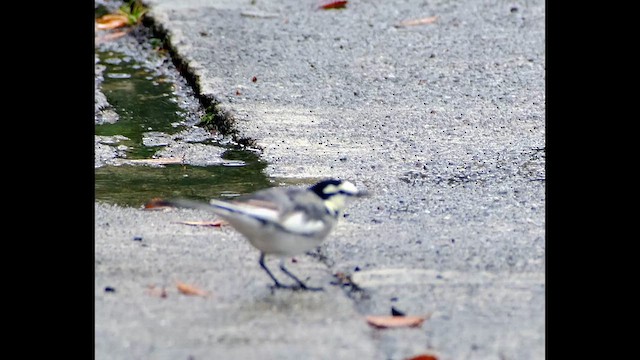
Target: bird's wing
x,y
298,222
260,210
293,210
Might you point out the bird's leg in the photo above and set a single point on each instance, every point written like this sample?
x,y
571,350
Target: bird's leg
x,y
278,284
300,283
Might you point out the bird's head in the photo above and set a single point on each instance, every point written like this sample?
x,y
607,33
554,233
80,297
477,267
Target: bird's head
x,y
335,192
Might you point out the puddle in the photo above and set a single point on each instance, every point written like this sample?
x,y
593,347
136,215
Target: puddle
x,y
150,117
133,186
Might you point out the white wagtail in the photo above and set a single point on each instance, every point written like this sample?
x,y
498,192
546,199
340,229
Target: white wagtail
x,y
283,221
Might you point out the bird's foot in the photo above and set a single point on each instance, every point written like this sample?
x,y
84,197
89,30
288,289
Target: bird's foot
x,y
297,287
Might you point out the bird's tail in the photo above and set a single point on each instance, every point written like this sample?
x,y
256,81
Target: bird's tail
x,y
222,208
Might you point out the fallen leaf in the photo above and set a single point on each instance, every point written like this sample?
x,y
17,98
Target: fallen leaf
x,y
111,21
333,5
415,22
190,290
215,223
112,36
423,357
395,321
157,204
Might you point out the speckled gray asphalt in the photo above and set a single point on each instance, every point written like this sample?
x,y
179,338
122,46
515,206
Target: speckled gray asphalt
x,y
444,123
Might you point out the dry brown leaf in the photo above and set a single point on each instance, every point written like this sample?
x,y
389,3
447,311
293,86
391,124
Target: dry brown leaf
x,y
190,290
112,36
395,321
214,223
415,22
423,357
157,204
111,21
331,4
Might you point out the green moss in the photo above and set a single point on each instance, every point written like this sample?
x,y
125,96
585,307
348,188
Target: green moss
x,y
134,11
216,120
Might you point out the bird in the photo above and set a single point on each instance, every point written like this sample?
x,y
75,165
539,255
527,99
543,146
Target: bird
x,y
283,221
